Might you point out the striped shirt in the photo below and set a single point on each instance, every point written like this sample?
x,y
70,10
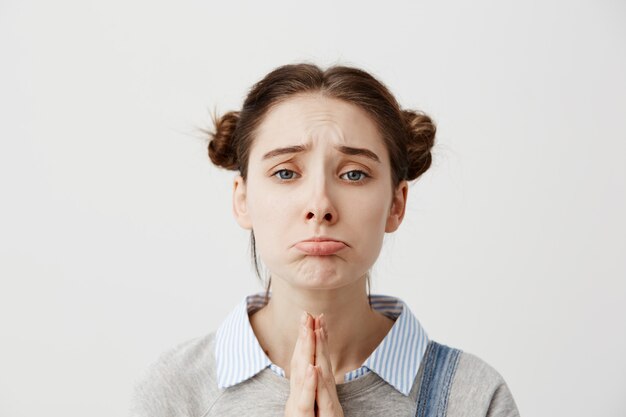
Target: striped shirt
x,y
239,356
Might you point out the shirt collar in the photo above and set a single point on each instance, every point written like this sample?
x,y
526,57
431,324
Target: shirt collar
x,y
397,359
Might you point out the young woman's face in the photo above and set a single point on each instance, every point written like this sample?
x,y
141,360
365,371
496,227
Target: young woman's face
x,y
319,195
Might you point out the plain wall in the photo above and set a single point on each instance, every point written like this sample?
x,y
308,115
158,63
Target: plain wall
x,y
117,240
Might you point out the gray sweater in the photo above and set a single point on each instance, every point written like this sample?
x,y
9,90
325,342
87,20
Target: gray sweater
x,y
182,382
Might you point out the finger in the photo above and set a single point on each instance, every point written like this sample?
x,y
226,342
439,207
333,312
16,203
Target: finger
x,y
301,356
322,358
327,399
306,399
309,345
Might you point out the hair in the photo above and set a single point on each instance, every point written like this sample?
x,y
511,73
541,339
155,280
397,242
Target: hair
x,y
409,135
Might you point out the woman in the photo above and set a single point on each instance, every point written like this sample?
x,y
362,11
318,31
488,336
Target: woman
x,y
324,160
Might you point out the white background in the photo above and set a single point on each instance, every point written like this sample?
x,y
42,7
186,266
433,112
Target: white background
x,y
116,235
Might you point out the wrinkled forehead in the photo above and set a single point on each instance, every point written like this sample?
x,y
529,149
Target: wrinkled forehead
x,y
315,121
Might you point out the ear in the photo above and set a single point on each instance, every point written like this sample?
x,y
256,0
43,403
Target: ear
x,y
398,207
240,204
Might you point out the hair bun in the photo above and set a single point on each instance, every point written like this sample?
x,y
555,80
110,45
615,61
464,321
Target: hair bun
x,y
221,149
421,138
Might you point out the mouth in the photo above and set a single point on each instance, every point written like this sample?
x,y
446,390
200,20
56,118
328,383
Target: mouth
x,y
320,246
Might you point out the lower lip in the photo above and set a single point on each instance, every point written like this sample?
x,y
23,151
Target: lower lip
x,y
320,248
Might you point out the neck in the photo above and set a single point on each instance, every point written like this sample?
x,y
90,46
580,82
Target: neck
x,y
354,329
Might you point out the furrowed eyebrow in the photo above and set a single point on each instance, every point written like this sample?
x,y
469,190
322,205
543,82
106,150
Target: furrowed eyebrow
x,y
348,150
283,151
358,151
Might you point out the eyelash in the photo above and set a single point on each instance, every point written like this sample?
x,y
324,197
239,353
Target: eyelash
x,y
364,175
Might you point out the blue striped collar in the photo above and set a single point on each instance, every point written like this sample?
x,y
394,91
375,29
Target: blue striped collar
x,y
396,359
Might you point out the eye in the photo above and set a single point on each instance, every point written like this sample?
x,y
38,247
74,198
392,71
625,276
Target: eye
x,y
355,175
284,174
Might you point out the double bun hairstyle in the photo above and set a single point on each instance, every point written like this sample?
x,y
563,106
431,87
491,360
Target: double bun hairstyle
x,y
409,135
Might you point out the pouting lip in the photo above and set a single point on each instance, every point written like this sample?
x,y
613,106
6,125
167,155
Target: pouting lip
x,y
321,239
320,247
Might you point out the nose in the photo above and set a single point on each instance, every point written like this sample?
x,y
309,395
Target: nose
x,y
320,208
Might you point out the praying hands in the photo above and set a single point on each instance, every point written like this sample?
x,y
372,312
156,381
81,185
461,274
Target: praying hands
x,y
312,383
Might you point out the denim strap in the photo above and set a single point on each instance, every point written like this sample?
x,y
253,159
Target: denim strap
x,y
440,362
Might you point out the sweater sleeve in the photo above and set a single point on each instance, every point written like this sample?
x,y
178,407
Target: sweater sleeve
x,y
180,383
478,390
502,403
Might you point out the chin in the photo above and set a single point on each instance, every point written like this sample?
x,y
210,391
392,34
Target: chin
x,y
322,276
317,272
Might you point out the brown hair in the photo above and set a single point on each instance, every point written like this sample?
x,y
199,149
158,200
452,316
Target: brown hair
x,y
408,134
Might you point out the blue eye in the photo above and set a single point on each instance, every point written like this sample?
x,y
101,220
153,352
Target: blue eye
x,y
355,175
285,174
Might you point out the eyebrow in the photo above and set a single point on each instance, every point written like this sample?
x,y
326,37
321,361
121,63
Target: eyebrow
x,y
348,150
283,151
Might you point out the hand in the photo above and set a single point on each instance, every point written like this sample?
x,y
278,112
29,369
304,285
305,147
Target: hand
x,y
327,401
302,378
312,384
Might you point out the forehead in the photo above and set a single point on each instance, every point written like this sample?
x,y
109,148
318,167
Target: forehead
x,y
314,120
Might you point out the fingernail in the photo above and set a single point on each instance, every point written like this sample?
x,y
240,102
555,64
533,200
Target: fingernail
x,y
303,318
309,370
322,321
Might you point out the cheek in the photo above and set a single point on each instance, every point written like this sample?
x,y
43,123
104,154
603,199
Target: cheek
x,y
368,208
265,205
365,216
271,216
